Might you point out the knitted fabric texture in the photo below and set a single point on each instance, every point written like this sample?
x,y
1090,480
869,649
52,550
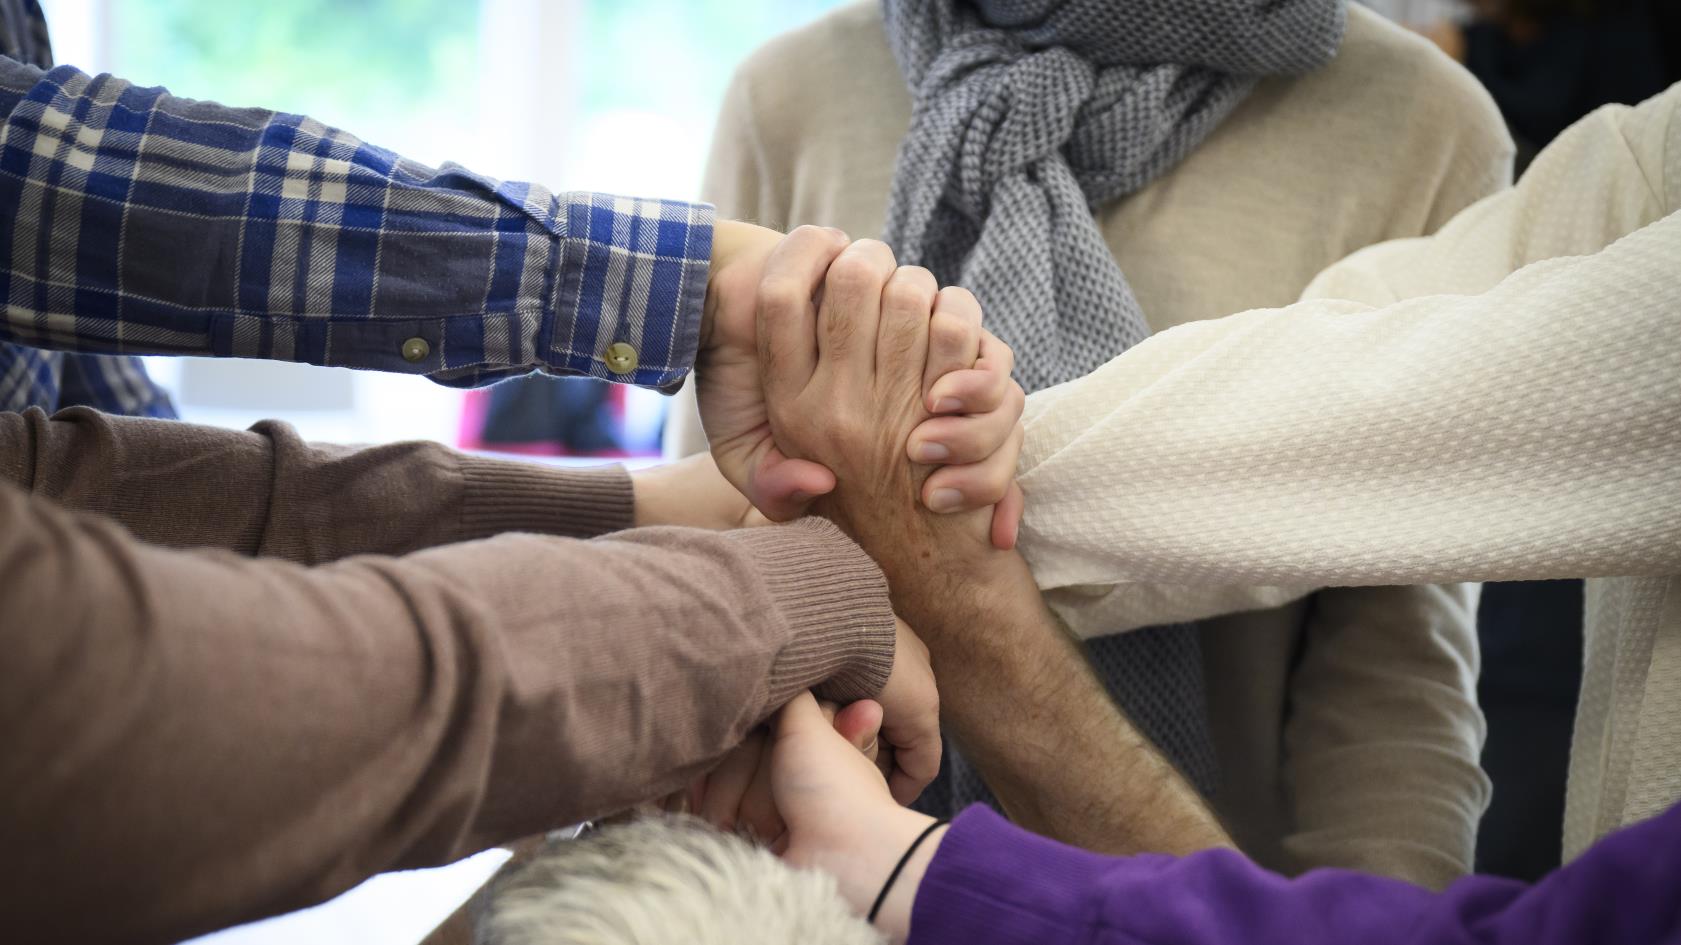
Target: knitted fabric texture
x,y
1026,116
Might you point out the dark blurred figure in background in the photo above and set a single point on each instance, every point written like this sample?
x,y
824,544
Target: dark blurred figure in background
x,y
1530,633
1549,62
1546,63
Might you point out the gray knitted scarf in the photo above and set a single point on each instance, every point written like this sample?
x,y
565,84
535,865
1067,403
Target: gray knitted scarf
x,y
1028,114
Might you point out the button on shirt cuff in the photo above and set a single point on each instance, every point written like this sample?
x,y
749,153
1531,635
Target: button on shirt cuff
x,y
632,287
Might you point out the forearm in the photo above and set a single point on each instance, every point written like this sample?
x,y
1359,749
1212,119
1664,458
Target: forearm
x,y
1018,696
306,244
990,881
377,713
266,492
1337,442
1331,444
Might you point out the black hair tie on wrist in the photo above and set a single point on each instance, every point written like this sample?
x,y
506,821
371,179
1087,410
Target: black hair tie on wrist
x,y
900,867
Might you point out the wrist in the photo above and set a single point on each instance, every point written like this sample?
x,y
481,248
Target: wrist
x,y
834,600
732,241
897,892
500,496
942,587
865,855
651,491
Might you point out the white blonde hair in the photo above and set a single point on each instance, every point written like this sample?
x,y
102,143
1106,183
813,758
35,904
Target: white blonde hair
x,y
667,880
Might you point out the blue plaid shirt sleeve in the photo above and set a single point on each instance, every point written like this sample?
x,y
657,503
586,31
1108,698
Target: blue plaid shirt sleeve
x,y
135,222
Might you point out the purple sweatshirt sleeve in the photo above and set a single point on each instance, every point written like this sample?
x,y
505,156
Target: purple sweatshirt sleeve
x,y
996,883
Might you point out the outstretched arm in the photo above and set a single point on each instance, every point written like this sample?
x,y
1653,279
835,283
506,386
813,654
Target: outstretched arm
x,y
1522,431
856,379
1019,698
265,492
206,738
200,229
982,879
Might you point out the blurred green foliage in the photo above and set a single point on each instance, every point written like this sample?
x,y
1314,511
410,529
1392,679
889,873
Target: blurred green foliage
x,y
399,52
400,57
388,70
639,49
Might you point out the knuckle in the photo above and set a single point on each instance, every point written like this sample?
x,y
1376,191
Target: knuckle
x,y
1016,401
999,477
880,252
808,234
1007,357
857,272
907,291
950,334
807,231
782,295
962,436
961,302
921,276
1003,349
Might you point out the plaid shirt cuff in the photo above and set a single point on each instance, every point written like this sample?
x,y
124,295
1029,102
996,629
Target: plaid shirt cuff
x,y
632,279
623,301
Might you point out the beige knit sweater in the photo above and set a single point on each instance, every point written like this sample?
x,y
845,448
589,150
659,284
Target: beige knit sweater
x,y
1360,752
1424,414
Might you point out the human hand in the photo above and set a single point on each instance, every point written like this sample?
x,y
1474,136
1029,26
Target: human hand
x,y
966,385
906,714
993,404
691,492
727,379
839,815
736,795
849,382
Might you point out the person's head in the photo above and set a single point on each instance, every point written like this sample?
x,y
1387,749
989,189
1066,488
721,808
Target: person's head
x,y
667,880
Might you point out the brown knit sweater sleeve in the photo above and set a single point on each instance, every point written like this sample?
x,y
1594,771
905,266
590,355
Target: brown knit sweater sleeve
x,y
194,738
265,491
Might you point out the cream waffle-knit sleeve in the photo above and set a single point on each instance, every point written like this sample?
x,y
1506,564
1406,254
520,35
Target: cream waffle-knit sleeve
x,y
1453,420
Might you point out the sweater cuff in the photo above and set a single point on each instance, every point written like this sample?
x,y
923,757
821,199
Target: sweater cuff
x,y
991,881
835,600
502,496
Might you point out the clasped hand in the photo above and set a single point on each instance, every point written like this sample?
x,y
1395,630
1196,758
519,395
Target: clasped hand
x,y
792,331
871,373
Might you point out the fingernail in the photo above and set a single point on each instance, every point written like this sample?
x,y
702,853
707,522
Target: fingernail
x,y
926,452
947,405
945,500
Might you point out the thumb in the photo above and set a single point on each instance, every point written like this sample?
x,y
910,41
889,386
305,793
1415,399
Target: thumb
x,y
799,716
781,488
1006,518
860,724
